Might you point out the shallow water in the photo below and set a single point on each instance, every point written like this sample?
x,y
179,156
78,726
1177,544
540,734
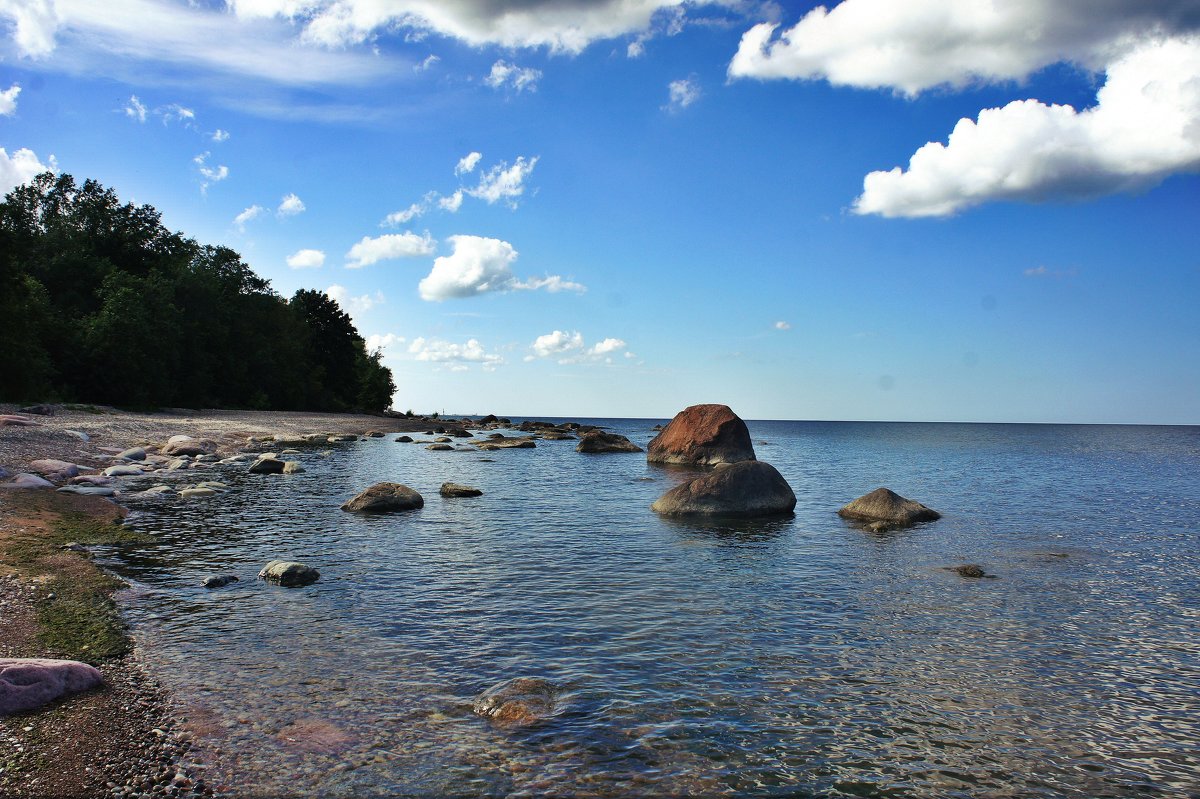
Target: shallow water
x,y
786,657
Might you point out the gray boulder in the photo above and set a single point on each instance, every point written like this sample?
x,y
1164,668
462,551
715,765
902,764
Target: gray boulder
x,y
457,490
220,580
186,445
133,454
884,509
385,498
267,466
749,488
292,467
289,573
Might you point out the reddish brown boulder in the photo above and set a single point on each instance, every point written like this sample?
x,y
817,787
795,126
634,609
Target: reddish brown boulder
x,y
520,702
29,683
702,435
384,498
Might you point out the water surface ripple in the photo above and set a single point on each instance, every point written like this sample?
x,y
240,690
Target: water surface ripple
x,y
790,657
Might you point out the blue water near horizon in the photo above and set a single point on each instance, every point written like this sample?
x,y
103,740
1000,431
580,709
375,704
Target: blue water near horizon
x,y
796,656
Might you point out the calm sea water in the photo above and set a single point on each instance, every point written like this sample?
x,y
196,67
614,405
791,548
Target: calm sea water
x,y
797,656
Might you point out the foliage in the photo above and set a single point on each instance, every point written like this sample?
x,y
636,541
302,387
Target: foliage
x,y
101,303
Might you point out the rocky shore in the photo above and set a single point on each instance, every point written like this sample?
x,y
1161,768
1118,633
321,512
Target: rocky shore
x,y
125,738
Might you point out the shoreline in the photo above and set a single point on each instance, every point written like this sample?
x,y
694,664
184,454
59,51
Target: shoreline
x,y
124,738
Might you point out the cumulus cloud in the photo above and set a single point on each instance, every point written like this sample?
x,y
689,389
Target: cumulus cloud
x,y
681,94
467,163
563,26
253,212
306,259
34,25
387,247
480,265
918,44
405,215
783,326
20,168
1144,126
504,182
383,342
210,174
290,205
519,79
134,109
219,135
569,347
445,352
353,305
8,100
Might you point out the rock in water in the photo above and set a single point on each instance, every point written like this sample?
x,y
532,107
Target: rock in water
x,y
29,683
289,573
186,445
219,580
748,488
404,440
384,498
884,509
292,467
599,441
702,435
970,570
456,490
267,466
519,702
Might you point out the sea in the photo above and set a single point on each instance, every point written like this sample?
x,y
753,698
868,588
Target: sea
x,y
794,656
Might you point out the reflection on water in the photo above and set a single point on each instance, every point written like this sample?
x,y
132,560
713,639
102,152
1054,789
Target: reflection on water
x,y
796,655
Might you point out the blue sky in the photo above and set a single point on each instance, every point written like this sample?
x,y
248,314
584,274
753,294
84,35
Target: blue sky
x,y
875,210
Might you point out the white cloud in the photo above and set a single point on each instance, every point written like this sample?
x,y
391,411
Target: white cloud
x,y
569,347
135,109
119,33
290,205
387,247
504,182
1145,126
8,100
253,212
467,163
383,342
783,326
404,216
440,351
560,25
451,203
354,305
682,93
918,44
481,265
427,64
210,174
219,135
306,259
21,168
176,113
516,78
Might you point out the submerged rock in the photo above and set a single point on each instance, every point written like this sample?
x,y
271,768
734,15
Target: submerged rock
x,y
702,435
28,683
505,443
749,488
457,490
599,441
969,570
292,467
289,573
192,493
219,580
520,702
884,509
440,447
385,498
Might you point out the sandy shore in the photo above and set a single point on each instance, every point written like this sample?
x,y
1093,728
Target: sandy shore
x,y
122,740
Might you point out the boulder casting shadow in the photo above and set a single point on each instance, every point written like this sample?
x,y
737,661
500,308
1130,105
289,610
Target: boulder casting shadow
x,y
749,488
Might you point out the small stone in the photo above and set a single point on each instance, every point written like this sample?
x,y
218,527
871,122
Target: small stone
x,y
219,580
289,573
970,570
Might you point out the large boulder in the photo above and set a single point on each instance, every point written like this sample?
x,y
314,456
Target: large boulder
x,y
520,702
702,435
29,683
267,465
599,441
54,469
24,480
748,488
384,498
884,509
186,445
289,573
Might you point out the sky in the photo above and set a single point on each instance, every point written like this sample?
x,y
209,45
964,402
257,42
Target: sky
x,y
870,210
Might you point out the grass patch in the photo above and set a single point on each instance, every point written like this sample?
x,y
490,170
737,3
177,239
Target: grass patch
x,y
81,621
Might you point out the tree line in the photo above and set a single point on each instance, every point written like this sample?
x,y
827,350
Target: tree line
x,y
100,303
